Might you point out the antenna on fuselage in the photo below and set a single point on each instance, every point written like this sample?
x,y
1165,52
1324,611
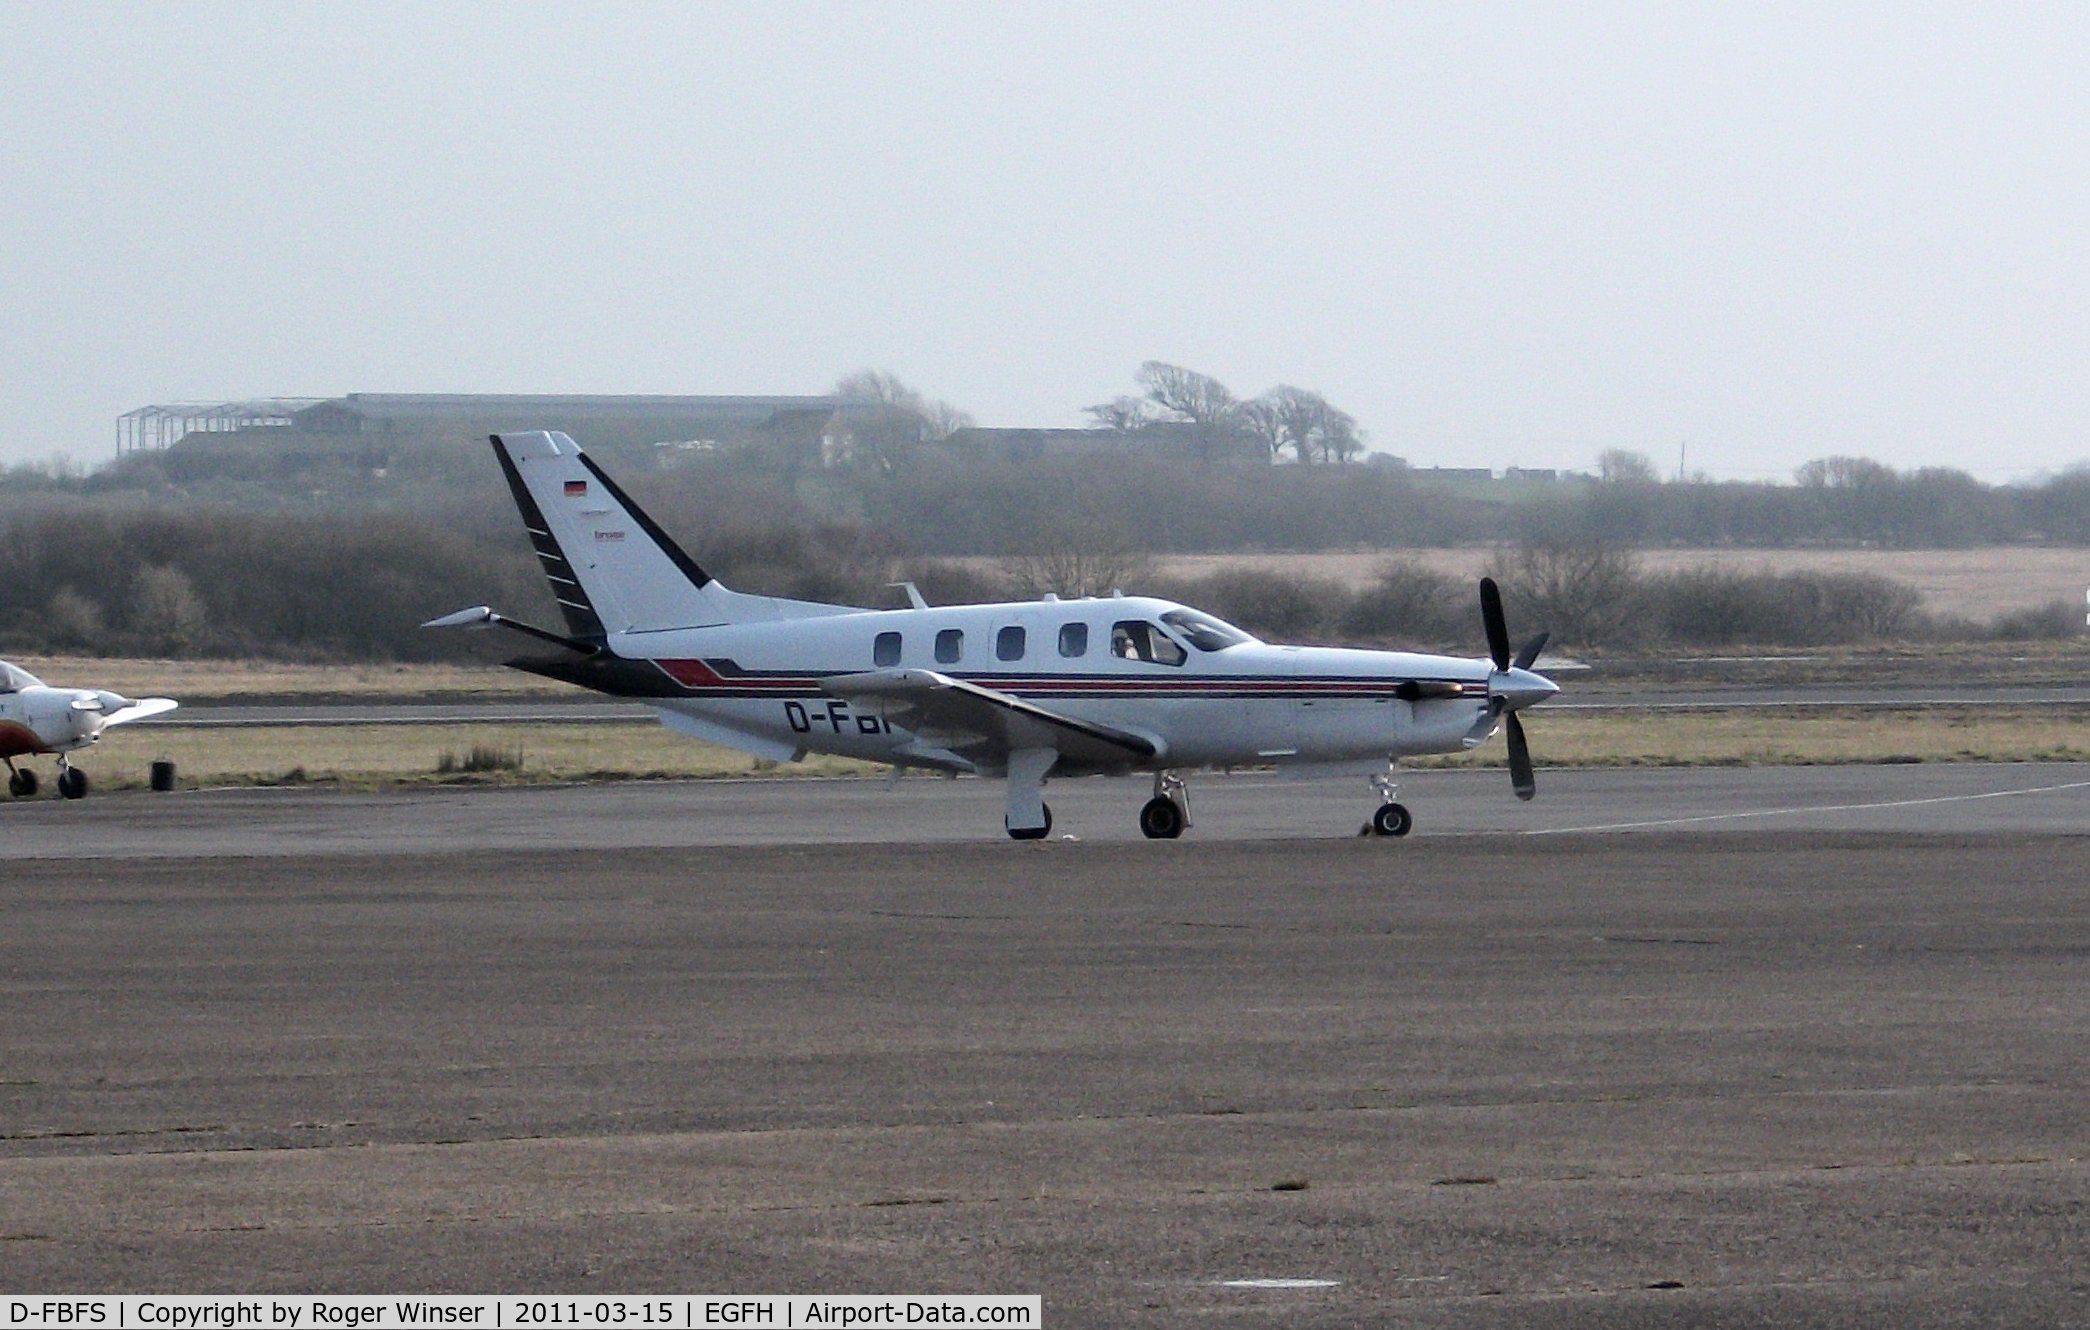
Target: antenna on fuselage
x,y
914,594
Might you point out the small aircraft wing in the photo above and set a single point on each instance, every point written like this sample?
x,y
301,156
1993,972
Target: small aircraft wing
x,y
984,724
139,710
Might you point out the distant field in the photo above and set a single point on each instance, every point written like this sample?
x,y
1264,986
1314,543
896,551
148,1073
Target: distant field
x,y
1975,583
390,754
260,678
368,755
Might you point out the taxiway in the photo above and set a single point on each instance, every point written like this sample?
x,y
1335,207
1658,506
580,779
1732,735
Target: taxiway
x,y
1801,1047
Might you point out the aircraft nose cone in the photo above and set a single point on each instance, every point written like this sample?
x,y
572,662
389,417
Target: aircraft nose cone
x,y
1522,688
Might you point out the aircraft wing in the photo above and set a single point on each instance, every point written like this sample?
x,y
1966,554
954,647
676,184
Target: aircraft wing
x,y
139,710
983,724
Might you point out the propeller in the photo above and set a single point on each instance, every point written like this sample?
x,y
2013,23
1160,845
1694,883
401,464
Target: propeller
x,y
1512,685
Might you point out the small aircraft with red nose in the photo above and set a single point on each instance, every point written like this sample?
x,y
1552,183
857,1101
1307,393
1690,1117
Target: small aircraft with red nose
x,y
36,719
1025,690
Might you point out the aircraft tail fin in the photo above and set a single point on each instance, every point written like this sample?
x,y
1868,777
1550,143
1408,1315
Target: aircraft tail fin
x,y
612,569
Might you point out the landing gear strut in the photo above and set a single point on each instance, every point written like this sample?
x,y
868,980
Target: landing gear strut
x,y
72,782
1391,817
1166,814
1029,817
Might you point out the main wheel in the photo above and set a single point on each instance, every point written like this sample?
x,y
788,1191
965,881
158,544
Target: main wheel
x,y
1031,833
22,783
1391,820
1161,819
72,783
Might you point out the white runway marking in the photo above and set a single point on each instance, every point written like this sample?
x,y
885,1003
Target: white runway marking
x,y
1812,808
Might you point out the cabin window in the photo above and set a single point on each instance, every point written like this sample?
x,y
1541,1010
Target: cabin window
x,y
950,646
1136,639
1074,640
1008,643
885,649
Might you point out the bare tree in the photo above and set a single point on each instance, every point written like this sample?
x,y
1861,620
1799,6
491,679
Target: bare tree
x,y
167,614
888,417
73,620
1306,422
1586,592
944,419
1839,473
1199,400
1623,466
1079,558
1261,417
1123,414
1186,394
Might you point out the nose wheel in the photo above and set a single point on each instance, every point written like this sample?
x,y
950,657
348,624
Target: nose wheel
x,y
1392,820
1391,817
1164,816
72,782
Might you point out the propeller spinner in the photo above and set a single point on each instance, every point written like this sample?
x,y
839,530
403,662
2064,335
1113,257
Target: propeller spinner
x,y
1513,685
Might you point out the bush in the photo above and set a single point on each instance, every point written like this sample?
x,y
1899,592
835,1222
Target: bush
x,y
1414,606
482,758
1723,607
1270,605
2055,621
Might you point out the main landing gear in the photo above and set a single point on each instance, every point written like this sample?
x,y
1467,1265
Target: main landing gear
x,y
22,783
1391,817
1166,814
1031,833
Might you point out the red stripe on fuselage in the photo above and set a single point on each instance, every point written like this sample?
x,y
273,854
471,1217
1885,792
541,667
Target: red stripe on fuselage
x,y
726,679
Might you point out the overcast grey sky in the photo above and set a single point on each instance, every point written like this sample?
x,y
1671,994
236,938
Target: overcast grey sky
x,y
1496,234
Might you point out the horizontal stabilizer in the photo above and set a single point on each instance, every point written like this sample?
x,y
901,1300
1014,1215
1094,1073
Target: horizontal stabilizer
x,y
479,616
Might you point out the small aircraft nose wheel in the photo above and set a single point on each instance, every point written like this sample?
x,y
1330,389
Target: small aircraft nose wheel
x,y
1391,817
72,783
1161,819
1391,820
1030,833
1166,814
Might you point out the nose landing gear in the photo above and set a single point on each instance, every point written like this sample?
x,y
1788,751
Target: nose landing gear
x,y
1166,814
1391,817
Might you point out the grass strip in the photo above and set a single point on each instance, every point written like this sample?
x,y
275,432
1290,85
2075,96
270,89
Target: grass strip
x,y
373,755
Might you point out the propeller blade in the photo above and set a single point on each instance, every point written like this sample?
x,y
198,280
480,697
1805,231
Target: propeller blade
x,y
1520,777
1491,619
1529,655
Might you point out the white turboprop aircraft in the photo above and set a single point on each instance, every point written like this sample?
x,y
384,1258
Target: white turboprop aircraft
x,y
38,719
1026,690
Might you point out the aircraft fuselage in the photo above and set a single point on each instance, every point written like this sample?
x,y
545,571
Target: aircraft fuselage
x,y
1112,661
